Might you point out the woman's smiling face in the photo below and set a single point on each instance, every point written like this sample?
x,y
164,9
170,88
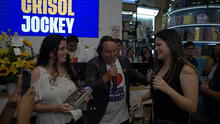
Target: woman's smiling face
x,y
62,52
162,49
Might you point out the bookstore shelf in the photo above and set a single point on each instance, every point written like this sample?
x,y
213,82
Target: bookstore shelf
x,y
193,8
200,24
194,25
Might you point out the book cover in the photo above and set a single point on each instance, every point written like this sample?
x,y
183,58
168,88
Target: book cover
x,y
78,97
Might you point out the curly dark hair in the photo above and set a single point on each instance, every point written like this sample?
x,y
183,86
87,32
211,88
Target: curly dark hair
x,y
50,45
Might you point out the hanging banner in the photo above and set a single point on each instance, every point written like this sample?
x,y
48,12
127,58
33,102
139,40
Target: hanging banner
x,y
43,17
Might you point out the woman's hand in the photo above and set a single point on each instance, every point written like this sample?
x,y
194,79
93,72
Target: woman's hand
x,y
88,98
64,108
136,104
204,87
149,75
159,83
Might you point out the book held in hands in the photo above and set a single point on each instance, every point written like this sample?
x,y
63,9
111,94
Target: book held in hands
x,y
78,97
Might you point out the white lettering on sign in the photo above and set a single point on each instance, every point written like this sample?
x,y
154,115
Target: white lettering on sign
x,y
47,24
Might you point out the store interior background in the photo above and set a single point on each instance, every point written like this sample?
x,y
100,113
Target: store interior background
x,y
121,19
112,13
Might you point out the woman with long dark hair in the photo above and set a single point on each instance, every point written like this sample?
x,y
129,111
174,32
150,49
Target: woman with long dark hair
x,y
212,59
211,91
174,84
54,80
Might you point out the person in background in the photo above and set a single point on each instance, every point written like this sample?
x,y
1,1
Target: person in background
x,y
8,111
76,53
24,104
25,107
174,86
130,54
211,92
109,74
190,51
119,42
146,55
212,60
54,80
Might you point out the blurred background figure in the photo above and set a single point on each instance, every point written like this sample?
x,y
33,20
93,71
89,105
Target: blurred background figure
x,y
24,105
119,42
190,52
212,59
77,53
211,91
146,55
130,54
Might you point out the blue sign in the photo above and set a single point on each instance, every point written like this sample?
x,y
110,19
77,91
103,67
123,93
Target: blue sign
x,y
43,17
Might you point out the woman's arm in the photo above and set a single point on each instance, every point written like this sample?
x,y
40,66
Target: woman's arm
x,y
211,93
189,84
64,108
214,94
141,99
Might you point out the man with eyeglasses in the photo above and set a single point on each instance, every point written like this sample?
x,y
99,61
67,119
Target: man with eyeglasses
x,y
190,51
110,75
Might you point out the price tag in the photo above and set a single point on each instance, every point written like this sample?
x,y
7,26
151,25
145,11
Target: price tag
x,y
17,51
17,42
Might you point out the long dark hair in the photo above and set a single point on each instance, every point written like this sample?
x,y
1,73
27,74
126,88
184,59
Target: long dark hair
x,y
173,41
49,45
212,55
217,71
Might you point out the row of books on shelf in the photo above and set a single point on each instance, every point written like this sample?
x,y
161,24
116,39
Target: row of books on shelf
x,y
188,3
199,34
128,17
198,18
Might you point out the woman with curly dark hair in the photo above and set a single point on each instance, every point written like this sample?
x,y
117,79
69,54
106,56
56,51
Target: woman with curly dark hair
x,y
54,80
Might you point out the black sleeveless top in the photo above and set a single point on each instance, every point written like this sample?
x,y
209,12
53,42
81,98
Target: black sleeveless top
x,y
164,108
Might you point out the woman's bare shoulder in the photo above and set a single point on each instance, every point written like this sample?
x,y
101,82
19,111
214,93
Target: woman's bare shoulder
x,y
188,69
35,74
